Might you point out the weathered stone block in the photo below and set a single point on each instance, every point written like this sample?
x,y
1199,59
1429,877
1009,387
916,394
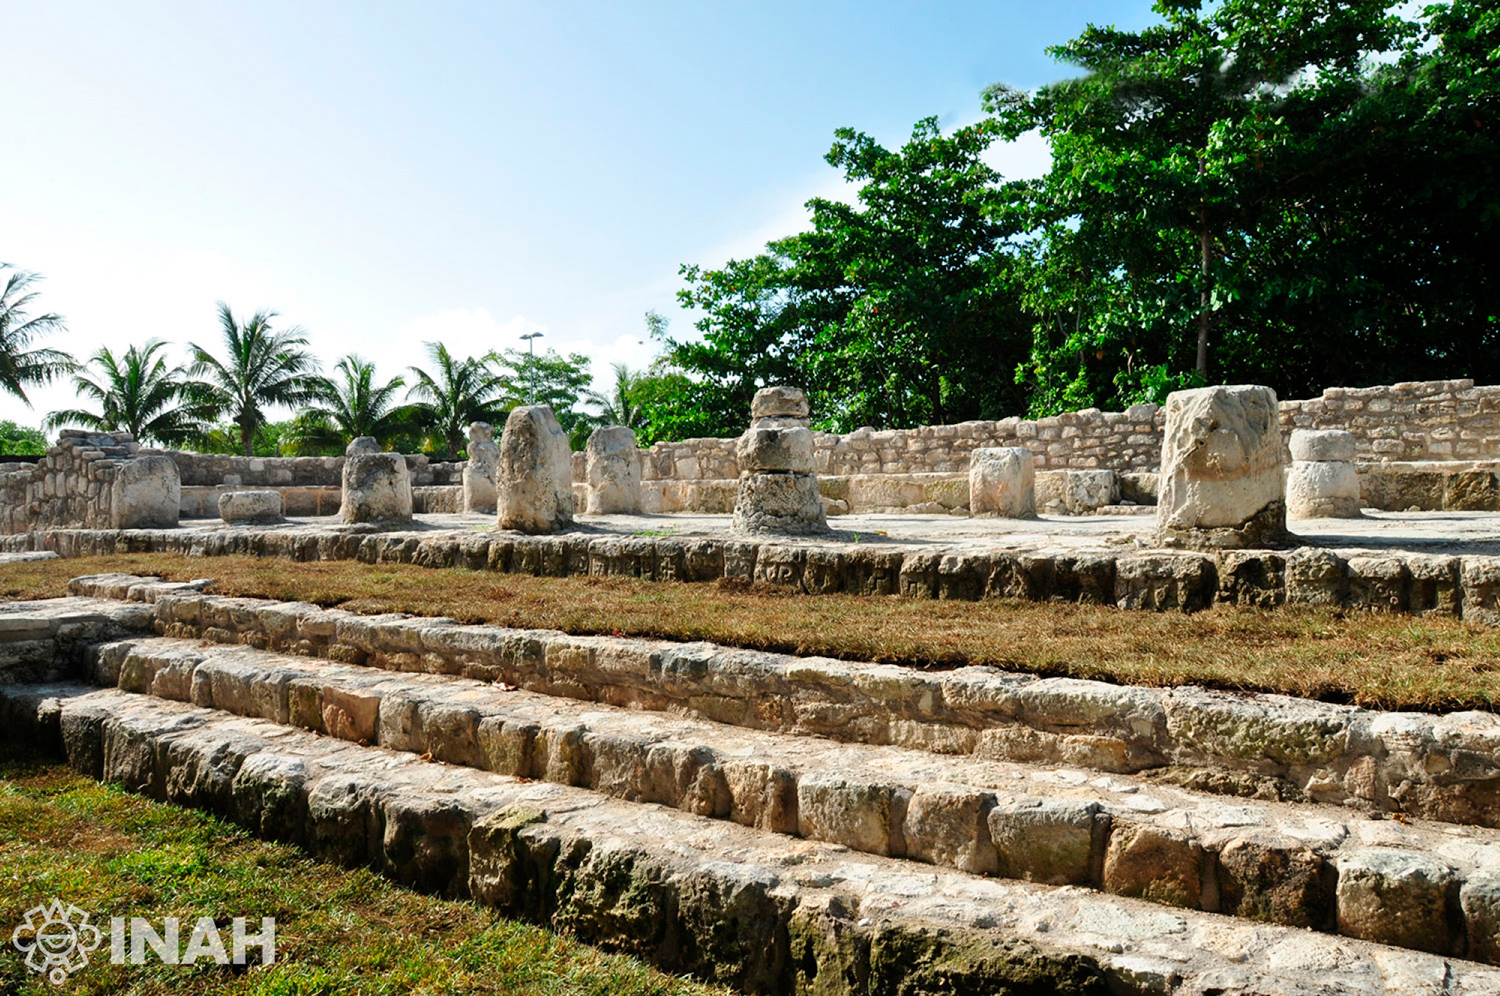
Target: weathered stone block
x,y
250,506
1398,897
614,471
146,494
1162,581
946,825
1155,863
534,483
779,503
1221,480
1316,577
1325,490
779,402
1051,841
1322,445
1002,482
377,486
1264,876
775,450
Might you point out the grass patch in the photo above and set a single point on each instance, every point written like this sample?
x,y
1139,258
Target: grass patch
x,y
337,931
1386,661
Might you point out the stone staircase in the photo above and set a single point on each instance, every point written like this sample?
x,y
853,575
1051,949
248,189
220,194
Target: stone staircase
x,y
802,825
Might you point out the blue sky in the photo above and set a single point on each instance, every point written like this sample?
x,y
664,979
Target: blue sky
x,y
384,174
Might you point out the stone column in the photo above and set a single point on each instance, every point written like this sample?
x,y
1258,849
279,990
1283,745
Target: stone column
x,y
479,472
1221,483
146,494
1322,483
534,483
613,471
377,486
1002,482
778,489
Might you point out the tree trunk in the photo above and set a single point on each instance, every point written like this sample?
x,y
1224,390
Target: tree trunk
x,y
247,436
1204,315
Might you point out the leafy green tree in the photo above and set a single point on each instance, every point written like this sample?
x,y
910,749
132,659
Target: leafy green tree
x,y
621,405
136,392
21,440
899,310
455,393
351,404
1175,157
261,367
21,361
552,379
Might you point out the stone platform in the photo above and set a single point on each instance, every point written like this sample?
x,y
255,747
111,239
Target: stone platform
x,y
1446,563
796,825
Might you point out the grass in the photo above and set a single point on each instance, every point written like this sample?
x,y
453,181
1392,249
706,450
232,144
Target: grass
x,y
337,931
1386,661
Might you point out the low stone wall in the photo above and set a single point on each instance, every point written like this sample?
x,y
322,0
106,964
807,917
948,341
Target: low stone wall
x,y
203,502
71,486
211,470
1419,420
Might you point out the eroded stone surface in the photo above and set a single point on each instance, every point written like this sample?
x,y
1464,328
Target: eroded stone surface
x,y
614,471
535,478
258,507
1221,483
377,486
1002,482
481,470
146,494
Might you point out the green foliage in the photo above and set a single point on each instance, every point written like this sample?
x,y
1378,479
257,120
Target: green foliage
x,y
21,440
350,404
457,392
21,361
261,367
548,379
136,392
897,311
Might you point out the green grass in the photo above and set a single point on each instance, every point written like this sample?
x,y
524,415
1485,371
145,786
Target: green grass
x,y
1379,660
337,931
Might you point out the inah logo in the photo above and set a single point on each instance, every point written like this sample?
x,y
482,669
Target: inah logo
x,y
56,940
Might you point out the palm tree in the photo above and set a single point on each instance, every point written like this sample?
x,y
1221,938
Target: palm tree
x,y
351,404
20,362
262,367
620,406
136,392
463,391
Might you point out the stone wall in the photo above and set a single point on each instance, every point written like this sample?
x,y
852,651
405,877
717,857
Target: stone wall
x,y
211,470
1420,420
70,487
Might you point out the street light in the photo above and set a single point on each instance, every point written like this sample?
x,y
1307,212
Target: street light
x,y
531,338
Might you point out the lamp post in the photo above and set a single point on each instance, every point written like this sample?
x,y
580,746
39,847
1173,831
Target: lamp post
x,y
531,338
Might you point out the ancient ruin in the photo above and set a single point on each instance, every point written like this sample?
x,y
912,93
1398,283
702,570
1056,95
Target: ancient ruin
x,y
778,490
1322,481
534,478
376,486
1002,481
613,471
481,494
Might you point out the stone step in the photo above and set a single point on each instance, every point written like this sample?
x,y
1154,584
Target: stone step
x,y
47,640
1421,885
1441,767
740,906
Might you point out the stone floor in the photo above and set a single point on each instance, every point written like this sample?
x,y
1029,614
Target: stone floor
x,y
1476,533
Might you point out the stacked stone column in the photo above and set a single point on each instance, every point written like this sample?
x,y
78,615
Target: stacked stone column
x,y
1322,483
1221,483
778,489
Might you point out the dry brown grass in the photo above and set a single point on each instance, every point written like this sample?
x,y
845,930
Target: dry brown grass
x,y
1389,661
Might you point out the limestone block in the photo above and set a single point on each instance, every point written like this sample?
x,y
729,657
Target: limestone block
x,y
1316,577
1480,901
1154,863
146,494
1268,877
1322,446
614,471
535,479
377,486
1397,897
481,468
250,506
1221,479
1075,492
1322,490
1002,482
860,815
1049,841
779,503
779,403
775,449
